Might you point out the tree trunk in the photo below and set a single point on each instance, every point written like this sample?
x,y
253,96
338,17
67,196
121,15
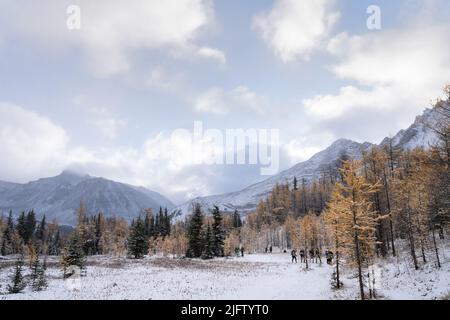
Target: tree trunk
x,y
358,260
424,259
388,203
358,252
411,240
436,249
391,227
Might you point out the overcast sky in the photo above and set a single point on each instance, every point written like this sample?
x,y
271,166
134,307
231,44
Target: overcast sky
x,y
106,98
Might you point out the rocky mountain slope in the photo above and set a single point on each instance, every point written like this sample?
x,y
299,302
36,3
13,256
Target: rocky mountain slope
x,y
58,197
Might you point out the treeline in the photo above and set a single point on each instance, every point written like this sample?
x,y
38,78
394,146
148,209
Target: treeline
x,y
28,236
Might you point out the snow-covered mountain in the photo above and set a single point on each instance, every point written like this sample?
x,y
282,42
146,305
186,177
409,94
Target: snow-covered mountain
x,y
246,200
418,134
58,197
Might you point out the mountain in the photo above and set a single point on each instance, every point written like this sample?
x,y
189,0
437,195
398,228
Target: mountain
x,y
58,197
246,200
417,135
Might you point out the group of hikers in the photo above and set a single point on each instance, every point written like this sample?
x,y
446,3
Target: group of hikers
x,y
314,256
239,251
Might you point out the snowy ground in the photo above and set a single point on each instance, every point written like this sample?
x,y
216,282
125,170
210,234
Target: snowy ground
x,y
254,277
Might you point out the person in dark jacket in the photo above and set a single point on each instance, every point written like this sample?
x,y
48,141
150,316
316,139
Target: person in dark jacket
x,y
311,255
318,255
302,256
294,256
242,251
270,249
329,257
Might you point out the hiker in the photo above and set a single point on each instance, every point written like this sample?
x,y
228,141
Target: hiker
x,y
242,251
311,255
302,256
266,250
294,256
318,256
329,257
270,249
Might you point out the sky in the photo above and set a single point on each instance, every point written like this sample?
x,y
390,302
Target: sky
x,y
105,96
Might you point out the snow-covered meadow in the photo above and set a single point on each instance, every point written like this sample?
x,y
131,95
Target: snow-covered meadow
x,y
254,277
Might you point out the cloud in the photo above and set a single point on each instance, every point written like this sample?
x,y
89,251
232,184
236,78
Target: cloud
x,y
112,30
394,72
161,79
303,148
293,29
219,101
214,54
35,147
29,142
107,124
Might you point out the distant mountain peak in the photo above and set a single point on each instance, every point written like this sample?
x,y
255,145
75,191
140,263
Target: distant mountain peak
x,y
72,172
58,197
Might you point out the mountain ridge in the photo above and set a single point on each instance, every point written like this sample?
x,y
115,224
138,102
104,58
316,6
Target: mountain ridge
x,y
59,196
416,135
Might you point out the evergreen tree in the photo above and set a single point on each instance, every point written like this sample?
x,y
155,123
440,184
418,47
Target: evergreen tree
x,y
237,223
195,241
295,184
138,241
40,232
38,278
22,226
148,221
218,233
30,227
54,247
161,223
41,236
73,255
209,240
157,229
7,236
18,283
167,222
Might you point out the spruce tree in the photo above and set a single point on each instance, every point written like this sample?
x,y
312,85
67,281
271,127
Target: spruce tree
x,y
138,241
55,244
18,283
6,247
237,223
38,278
22,226
167,222
218,233
148,222
195,240
208,250
73,255
40,232
162,223
30,227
